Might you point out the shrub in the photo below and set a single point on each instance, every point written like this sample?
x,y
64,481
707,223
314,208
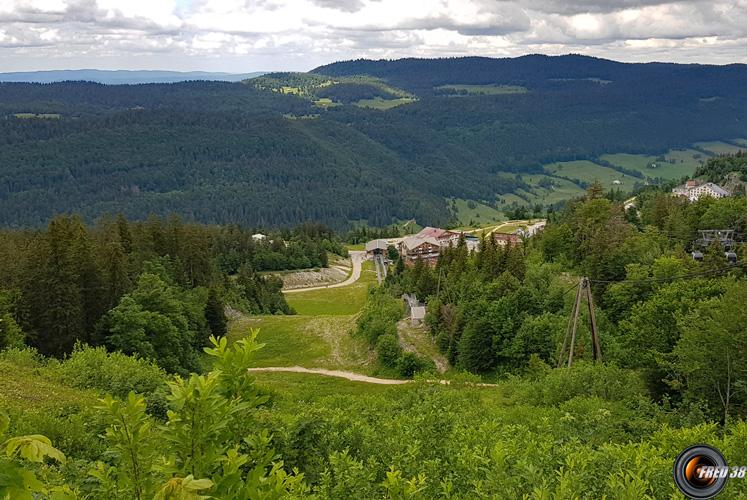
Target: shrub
x,y
388,350
22,356
115,373
607,382
409,364
380,315
10,333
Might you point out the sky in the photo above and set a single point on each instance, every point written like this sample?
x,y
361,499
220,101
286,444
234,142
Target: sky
x,y
297,35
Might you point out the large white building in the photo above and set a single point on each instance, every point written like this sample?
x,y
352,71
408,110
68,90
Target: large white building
x,y
693,190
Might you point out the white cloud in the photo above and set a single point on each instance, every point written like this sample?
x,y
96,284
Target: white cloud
x,y
244,35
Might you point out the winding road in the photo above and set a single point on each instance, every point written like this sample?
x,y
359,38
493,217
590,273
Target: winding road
x,y
357,257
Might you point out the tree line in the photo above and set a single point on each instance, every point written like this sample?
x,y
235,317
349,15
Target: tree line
x,y
675,320
156,288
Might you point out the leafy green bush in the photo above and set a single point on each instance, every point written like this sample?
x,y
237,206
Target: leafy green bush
x,y
22,356
10,333
388,350
607,382
410,363
112,372
379,316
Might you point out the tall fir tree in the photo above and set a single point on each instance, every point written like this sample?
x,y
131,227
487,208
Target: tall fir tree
x,y
215,314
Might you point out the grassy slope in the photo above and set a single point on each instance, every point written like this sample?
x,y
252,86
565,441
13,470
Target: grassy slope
x,y
319,335
718,147
679,163
587,171
479,216
485,89
335,301
384,104
25,387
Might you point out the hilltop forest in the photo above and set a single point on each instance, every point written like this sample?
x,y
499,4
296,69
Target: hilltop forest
x,y
373,141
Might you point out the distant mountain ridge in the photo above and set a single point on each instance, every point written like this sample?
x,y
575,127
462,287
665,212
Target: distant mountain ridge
x,y
375,141
123,77
534,71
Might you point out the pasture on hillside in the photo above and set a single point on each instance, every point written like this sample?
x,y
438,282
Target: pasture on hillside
x,y
471,213
334,301
544,189
384,104
719,147
676,164
589,172
319,335
482,89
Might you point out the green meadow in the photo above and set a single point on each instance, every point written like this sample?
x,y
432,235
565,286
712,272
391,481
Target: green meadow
x,y
718,147
484,89
319,334
474,214
587,171
676,164
339,301
384,104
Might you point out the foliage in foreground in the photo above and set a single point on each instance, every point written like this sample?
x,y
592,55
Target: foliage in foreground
x,y
553,433
208,443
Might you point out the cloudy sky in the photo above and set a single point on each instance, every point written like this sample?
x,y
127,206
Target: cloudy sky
x,y
252,35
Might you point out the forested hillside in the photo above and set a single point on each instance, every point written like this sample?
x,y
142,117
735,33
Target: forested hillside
x,y
339,147
157,288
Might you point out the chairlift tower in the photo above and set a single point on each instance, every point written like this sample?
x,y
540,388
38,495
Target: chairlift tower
x,y
583,290
724,237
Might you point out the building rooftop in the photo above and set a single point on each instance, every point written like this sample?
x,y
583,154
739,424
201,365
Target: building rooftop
x,y
415,241
434,232
417,312
376,245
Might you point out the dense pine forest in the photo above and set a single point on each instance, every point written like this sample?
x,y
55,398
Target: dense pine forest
x,y
286,148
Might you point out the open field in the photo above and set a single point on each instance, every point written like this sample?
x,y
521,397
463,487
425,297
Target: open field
x,y
545,189
484,89
718,147
319,335
21,387
291,388
677,164
587,171
38,116
560,189
312,342
475,214
384,104
326,102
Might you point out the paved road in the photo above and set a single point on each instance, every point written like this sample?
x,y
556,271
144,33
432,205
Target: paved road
x,y
357,257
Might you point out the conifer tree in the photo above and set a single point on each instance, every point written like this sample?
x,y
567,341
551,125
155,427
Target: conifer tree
x,y
215,314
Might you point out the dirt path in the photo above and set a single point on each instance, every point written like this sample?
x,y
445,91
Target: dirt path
x,y
355,377
416,339
357,257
